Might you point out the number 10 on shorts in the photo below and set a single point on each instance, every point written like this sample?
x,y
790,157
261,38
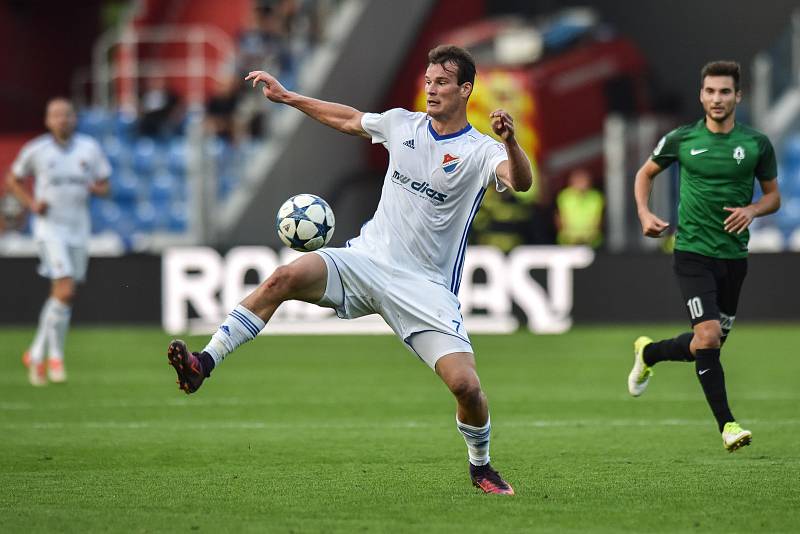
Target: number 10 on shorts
x,y
695,307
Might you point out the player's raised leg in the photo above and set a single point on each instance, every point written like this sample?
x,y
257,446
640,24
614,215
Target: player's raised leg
x,y
647,353
457,370
303,279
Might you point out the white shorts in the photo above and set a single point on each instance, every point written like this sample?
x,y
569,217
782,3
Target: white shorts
x,y
410,304
60,260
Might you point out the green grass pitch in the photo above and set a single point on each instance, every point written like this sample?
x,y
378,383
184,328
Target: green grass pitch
x,y
354,434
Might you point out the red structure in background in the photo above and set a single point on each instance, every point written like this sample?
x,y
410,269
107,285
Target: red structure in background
x,y
230,16
444,17
42,43
560,101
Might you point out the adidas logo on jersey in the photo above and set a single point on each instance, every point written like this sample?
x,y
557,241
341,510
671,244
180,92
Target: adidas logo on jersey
x,y
409,144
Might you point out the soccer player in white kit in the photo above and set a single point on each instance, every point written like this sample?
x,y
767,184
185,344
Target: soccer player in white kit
x,y
406,264
67,168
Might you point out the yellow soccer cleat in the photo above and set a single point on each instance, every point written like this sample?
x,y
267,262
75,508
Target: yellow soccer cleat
x,y
641,372
735,437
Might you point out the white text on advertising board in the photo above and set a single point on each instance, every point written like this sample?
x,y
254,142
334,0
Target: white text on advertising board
x,y
200,286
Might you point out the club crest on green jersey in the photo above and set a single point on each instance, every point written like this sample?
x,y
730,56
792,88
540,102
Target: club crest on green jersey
x,y
738,154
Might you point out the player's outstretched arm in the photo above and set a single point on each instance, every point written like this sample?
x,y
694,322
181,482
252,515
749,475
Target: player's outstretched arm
x,y
652,226
516,171
338,116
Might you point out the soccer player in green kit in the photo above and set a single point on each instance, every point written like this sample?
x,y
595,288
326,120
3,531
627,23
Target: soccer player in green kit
x,y
719,159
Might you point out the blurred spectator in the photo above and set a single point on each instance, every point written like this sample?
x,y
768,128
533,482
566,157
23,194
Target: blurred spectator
x,y
159,109
264,45
302,22
221,110
579,211
509,219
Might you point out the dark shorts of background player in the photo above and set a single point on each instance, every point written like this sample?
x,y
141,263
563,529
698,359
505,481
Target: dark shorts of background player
x,y
710,287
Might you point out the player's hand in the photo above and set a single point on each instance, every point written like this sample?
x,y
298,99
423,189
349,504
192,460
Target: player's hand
x,y
502,124
272,87
39,207
99,188
652,226
739,219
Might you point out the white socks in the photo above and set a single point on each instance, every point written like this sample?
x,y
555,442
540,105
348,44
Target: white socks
x,y
239,327
60,314
51,333
40,339
477,439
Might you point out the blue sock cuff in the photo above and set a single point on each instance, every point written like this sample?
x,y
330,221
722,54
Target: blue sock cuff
x,y
249,320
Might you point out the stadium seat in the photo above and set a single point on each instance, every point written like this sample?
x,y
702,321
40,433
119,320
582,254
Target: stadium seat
x,y
118,154
145,217
124,126
148,156
178,214
788,217
93,121
791,150
106,215
163,187
176,155
124,186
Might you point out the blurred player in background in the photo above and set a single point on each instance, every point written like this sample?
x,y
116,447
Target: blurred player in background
x,y
718,157
67,168
406,264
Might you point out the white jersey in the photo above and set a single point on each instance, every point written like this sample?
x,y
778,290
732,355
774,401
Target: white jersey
x,y
62,175
433,188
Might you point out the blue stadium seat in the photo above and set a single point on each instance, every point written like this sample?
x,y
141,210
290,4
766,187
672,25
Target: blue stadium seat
x,y
788,218
93,121
118,154
176,155
124,126
148,156
177,221
148,180
163,187
791,150
145,217
789,166
124,186
106,215
127,223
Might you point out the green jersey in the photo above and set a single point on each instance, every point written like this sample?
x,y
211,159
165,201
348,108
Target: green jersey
x,y
717,171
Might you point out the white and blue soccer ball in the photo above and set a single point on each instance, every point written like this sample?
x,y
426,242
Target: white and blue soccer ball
x,y
305,222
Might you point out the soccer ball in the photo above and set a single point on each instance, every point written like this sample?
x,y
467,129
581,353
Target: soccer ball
x,y
305,222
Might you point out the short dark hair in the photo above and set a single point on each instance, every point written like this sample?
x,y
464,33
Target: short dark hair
x,y
444,54
722,68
